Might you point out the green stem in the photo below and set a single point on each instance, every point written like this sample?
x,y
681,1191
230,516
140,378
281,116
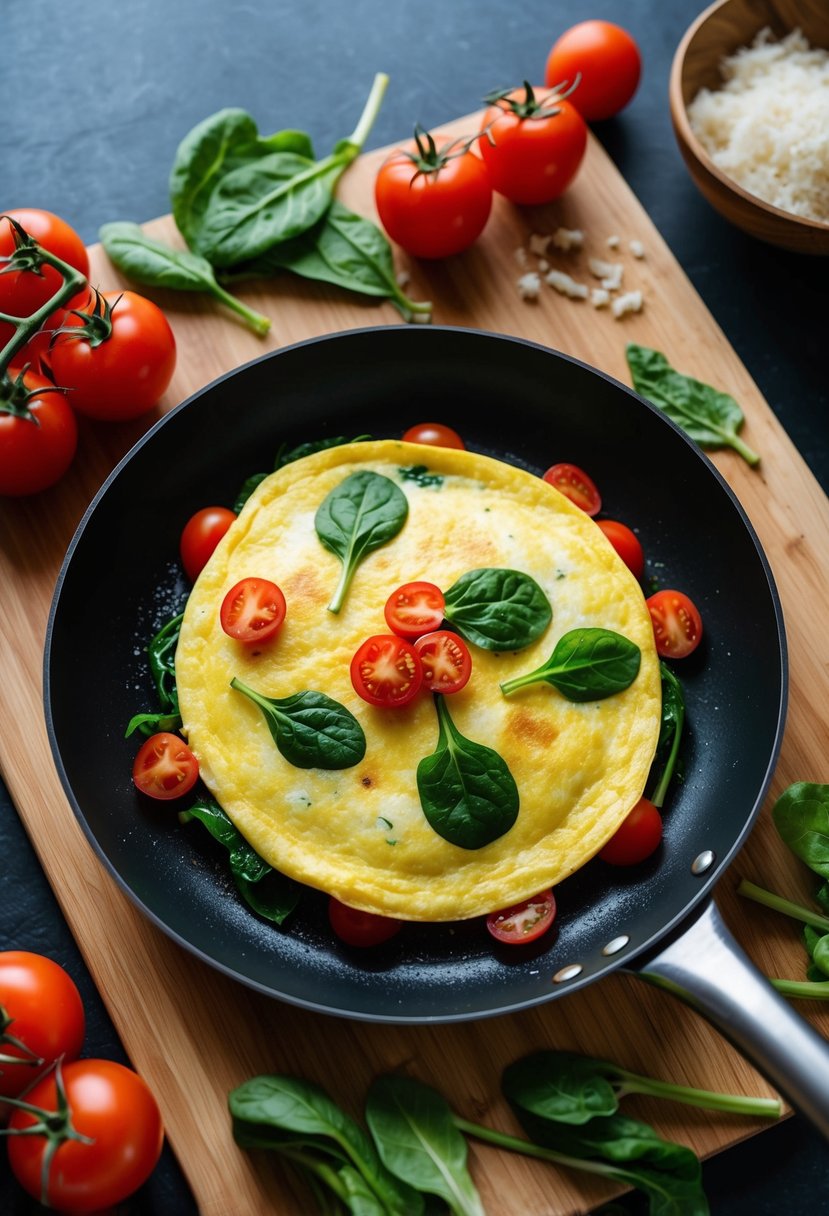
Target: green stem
x,y
804,990
532,677
707,1099
257,322
748,454
760,896
370,111
516,1145
26,327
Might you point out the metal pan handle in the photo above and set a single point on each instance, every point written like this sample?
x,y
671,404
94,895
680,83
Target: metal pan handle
x,y
705,967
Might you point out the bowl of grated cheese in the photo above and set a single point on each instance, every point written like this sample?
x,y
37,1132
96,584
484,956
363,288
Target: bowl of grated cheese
x,y
749,98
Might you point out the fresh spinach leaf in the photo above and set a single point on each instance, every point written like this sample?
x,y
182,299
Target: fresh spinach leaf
x,y
467,792
161,656
363,512
498,609
801,816
310,729
150,723
586,665
711,418
670,735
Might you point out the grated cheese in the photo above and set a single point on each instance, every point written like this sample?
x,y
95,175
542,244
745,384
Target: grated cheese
x,y
599,297
568,238
631,301
566,285
529,286
610,273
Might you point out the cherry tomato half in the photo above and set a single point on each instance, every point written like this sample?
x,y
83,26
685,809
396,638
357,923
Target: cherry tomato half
x,y
165,767
435,435
532,147
677,625
626,543
574,483
523,922
386,671
446,661
608,61
637,836
41,1017
414,609
253,610
357,928
34,452
200,536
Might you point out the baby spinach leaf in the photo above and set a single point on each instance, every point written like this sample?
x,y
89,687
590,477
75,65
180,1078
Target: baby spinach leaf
x,y
670,735
467,792
498,609
150,723
709,417
801,816
363,512
586,665
310,729
161,656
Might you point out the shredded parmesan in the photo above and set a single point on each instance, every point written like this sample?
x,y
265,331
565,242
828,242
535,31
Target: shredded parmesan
x,y
529,286
599,297
566,285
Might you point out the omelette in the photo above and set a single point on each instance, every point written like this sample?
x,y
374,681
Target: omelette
x,y
359,832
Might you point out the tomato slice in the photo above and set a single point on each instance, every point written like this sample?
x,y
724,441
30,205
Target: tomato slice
x,y
386,671
415,609
447,663
523,922
677,625
357,928
626,544
435,434
253,610
165,767
636,838
575,484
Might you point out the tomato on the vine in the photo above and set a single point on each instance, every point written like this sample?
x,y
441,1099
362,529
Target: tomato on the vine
x,y
638,835
253,610
38,434
414,609
41,1018
386,671
165,767
626,543
523,922
446,661
606,61
677,624
575,484
357,928
434,434
200,536
532,148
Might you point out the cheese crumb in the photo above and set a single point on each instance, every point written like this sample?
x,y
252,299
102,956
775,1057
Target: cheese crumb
x,y
566,285
610,273
636,248
599,297
538,244
543,264
613,242
521,256
631,301
529,286
568,238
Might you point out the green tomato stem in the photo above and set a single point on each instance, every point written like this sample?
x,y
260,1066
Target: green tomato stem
x,y
26,327
751,891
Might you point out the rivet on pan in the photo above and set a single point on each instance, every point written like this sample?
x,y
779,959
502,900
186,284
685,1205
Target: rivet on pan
x,y
703,862
568,973
616,945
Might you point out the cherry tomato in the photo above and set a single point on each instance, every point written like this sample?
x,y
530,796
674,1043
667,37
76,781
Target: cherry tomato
x,y
574,484
626,544
23,292
532,149
677,625
165,767
523,922
34,452
120,360
414,609
608,61
253,610
41,1017
434,434
433,200
114,1109
447,664
200,536
357,928
386,671
636,838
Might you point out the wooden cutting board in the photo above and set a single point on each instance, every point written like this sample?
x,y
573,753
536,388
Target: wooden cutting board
x,y
195,1034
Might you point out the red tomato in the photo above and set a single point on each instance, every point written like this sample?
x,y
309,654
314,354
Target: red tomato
x,y
357,928
415,609
114,1109
165,767
433,200
253,610
523,922
532,148
200,536
434,434
677,625
386,671
41,1018
34,452
574,484
636,838
608,61
121,360
626,544
447,664
24,292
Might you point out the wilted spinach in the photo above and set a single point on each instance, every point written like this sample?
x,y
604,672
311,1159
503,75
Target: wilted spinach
x,y
161,656
586,665
498,609
311,729
363,512
670,735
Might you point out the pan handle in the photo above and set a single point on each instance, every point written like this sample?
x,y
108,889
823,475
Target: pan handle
x,y
705,967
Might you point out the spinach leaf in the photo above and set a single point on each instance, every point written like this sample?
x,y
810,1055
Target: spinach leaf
x,y
287,456
421,475
150,723
670,734
467,792
709,417
161,655
586,665
363,512
310,729
498,609
801,816
418,1141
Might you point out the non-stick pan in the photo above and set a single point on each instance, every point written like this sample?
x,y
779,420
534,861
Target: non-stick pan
x,y
533,407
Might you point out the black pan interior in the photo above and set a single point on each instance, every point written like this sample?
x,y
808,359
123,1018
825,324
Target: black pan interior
x,y
508,398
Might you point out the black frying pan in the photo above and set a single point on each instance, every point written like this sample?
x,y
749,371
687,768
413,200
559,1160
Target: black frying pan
x,y
533,407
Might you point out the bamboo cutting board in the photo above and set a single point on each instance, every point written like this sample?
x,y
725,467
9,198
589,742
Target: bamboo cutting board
x,y
195,1034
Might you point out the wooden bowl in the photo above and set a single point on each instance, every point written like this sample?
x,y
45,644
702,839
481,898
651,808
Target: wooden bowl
x,y
717,32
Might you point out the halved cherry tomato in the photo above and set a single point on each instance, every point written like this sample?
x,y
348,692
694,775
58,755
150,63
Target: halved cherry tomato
x,y
677,625
575,484
41,1018
523,922
165,767
447,663
200,536
253,610
637,836
607,61
435,434
357,928
386,671
414,609
626,544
